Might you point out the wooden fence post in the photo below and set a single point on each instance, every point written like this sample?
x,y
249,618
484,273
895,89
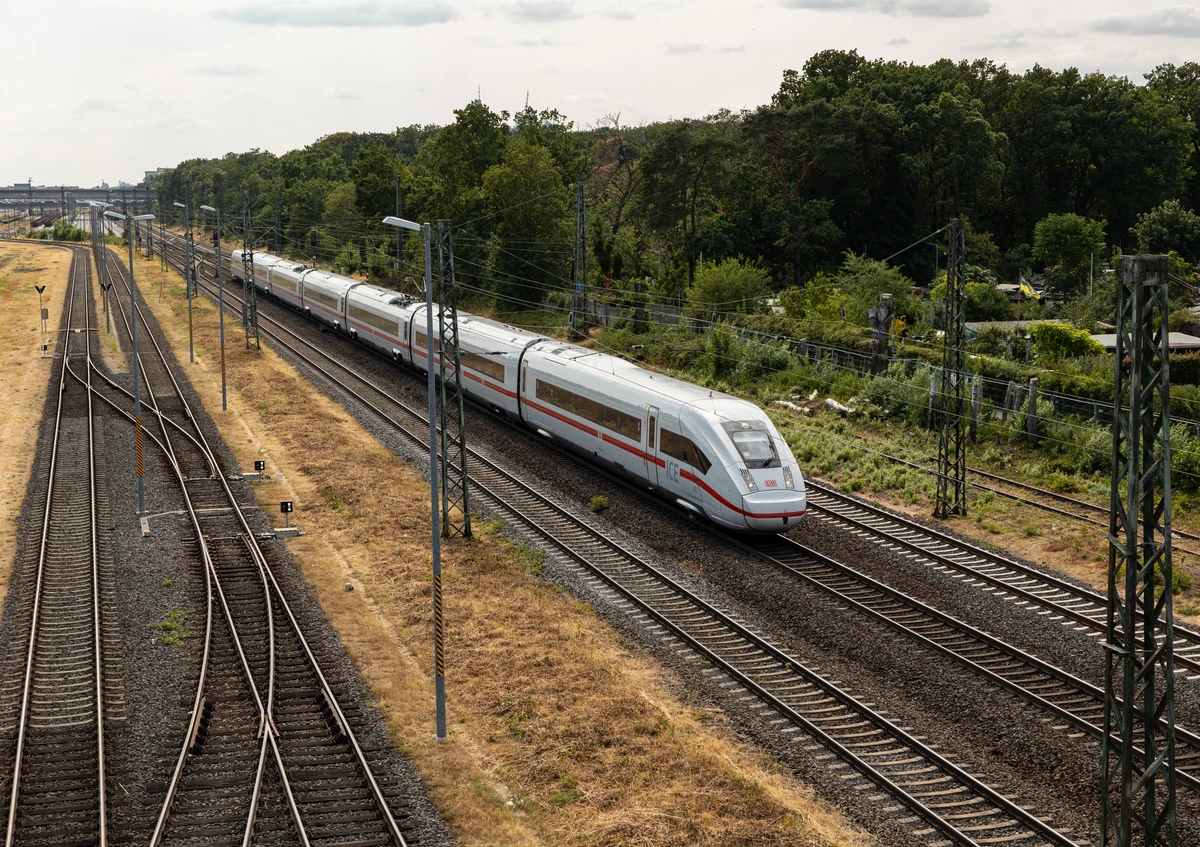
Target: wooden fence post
x,y
1009,397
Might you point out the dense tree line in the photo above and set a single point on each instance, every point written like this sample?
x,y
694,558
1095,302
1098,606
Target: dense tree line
x,y
1052,169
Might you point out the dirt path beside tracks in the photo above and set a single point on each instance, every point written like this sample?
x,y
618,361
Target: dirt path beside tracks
x,y
559,735
24,374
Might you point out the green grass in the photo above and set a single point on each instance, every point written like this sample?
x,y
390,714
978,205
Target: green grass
x,y
171,629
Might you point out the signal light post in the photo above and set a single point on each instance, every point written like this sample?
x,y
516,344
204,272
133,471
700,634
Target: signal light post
x,y
137,376
438,620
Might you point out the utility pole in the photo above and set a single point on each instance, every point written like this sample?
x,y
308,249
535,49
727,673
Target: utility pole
x,y
187,272
249,292
456,504
400,234
952,454
1138,752
220,301
576,320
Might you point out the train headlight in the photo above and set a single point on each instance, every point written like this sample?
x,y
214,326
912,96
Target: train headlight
x,y
749,480
787,478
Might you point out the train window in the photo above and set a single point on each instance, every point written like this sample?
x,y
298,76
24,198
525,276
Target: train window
x,y
590,410
323,298
684,449
374,320
485,365
278,281
650,435
753,442
423,343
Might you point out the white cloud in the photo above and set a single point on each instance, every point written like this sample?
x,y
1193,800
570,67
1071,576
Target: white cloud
x,y
226,70
1181,21
915,8
326,13
98,104
543,11
684,47
339,92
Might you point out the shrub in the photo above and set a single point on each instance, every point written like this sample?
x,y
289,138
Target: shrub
x,y
1053,342
598,504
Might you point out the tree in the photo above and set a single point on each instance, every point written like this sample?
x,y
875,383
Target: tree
x,y
729,286
1170,226
528,251
686,164
1068,243
374,173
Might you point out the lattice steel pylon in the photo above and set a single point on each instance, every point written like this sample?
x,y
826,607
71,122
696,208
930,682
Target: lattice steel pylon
x,y
952,392
577,325
1138,752
456,503
249,292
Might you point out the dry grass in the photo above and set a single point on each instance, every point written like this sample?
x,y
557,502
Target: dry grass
x,y
24,374
559,736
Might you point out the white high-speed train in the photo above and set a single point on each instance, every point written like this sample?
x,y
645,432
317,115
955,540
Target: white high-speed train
x,y
716,455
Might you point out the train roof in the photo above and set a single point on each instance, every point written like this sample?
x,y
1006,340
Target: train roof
x,y
335,281
679,391
498,332
380,296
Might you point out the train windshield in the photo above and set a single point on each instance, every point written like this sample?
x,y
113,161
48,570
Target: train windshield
x,y
753,442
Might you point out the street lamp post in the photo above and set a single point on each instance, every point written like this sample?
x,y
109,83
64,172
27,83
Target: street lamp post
x,y
187,274
435,516
137,375
220,301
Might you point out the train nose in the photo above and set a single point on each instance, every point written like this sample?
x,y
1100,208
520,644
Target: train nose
x,y
773,510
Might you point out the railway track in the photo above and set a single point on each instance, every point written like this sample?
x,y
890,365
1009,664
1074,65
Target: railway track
x,y
1080,608
56,768
1080,506
269,753
943,800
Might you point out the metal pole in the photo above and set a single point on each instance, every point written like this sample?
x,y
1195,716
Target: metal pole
x,y
438,621
137,383
221,312
187,280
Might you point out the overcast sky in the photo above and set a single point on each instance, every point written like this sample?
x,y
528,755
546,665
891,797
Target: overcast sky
x,y
106,89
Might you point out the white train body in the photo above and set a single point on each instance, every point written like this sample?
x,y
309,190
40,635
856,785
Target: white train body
x,y
716,455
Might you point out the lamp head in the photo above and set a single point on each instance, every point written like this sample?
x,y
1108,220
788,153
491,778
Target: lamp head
x,y
179,205
392,220
207,209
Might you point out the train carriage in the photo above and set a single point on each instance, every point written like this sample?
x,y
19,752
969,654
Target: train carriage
x,y
323,295
284,281
715,455
379,318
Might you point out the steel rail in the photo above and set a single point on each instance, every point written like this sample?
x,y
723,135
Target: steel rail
x,y
213,589
698,644
913,619
35,617
331,698
266,724
1023,583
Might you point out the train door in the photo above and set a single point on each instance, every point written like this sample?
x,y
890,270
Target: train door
x,y
650,443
